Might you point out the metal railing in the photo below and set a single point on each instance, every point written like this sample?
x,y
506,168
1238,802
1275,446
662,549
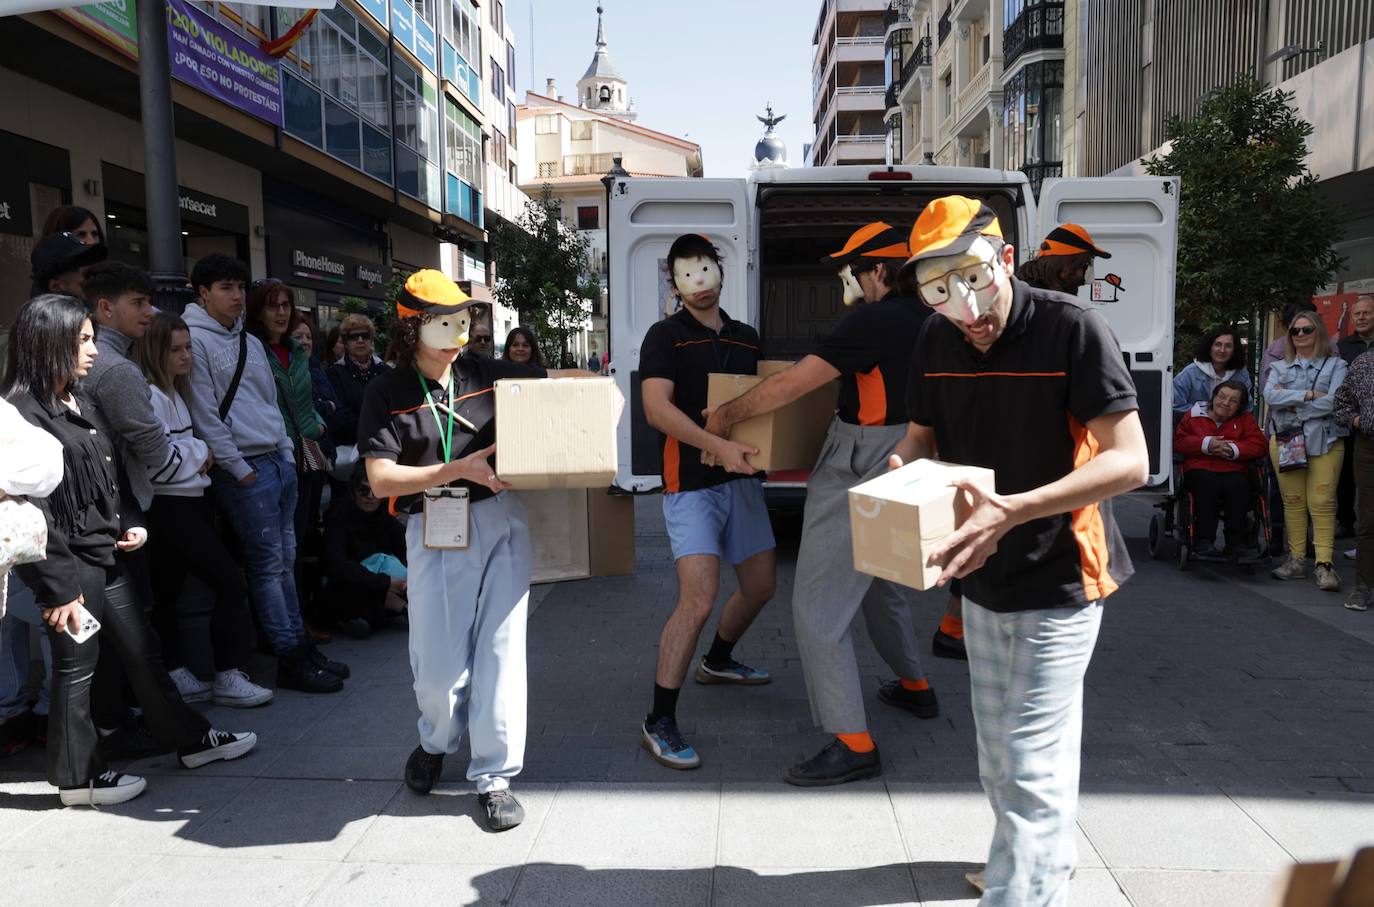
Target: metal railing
x,y
1039,26
863,138
585,164
1038,173
859,39
921,55
859,89
945,24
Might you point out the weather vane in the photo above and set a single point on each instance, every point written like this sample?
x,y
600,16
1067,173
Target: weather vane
x,y
770,121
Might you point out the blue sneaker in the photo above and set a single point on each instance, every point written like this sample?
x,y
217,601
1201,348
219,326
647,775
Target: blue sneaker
x,y
666,744
732,672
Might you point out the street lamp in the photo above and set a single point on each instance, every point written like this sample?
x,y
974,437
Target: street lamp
x,y
1289,51
616,172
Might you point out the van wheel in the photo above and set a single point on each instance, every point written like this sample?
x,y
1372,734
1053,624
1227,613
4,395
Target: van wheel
x,y
1156,531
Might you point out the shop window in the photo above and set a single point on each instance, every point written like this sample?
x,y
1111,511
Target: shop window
x,y
303,114
588,217
341,136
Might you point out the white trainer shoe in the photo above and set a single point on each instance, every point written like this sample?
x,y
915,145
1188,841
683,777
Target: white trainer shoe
x,y
191,687
218,746
106,790
235,690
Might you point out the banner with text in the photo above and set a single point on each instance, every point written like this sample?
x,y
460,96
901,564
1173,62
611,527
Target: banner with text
x,y
206,55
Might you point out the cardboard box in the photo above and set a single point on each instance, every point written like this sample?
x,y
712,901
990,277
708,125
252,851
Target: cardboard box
x,y
787,438
580,533
610,533
556,432
898,517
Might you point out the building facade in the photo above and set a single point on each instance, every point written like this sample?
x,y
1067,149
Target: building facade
x,y
848,83
1147,62
348,158
567,145
980,83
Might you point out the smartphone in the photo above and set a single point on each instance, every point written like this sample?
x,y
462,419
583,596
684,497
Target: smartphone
x,y
88,626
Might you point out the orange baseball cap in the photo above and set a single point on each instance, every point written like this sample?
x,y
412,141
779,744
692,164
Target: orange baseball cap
x,y
948,226
1069,239
875,240
430,292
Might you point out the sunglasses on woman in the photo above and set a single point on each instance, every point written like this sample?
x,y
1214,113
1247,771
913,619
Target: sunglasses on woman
x,y
1303,329
356,335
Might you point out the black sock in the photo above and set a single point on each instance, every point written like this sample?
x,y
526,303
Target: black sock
x,y
665,704
719,655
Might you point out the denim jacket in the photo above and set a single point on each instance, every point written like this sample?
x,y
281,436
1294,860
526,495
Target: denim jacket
x,y
1287,385
1197,381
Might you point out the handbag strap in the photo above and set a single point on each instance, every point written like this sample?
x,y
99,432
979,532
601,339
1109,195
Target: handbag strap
x,y
233,390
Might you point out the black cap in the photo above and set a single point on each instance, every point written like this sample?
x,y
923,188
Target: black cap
x,y
59,253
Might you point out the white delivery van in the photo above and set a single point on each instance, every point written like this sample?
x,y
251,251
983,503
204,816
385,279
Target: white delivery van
x,y
774,227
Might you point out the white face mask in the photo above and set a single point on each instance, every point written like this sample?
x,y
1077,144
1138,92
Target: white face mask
x,y
969,292
1088,276
853,293
696,275
446,332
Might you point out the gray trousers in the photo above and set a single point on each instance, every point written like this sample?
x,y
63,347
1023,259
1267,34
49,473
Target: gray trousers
x,y
828,591
468,609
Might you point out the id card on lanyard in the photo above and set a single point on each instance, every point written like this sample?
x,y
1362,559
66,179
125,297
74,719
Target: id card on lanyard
x,y
446,512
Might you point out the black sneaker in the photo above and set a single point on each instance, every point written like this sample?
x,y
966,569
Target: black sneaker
x,y
836,764
132,740
502,809
216,746
422,771
318,659
17,734
295,672
921,703
945,646
106,789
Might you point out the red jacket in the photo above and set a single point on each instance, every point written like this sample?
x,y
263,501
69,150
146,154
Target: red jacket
x,y
1242,430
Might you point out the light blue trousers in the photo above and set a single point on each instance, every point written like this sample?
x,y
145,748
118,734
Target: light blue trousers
x,y
1026,676
468,609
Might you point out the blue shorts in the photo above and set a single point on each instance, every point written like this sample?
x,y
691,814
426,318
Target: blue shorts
x,y
729,521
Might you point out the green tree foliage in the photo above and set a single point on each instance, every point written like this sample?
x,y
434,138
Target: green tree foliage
x,y
1254,232
543,265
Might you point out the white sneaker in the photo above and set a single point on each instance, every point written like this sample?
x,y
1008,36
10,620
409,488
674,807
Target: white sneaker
x,y
1350,554
106,790
191,687
978,880
216,746
235,690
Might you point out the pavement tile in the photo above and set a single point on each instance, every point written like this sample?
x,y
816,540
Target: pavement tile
x,y
405,885
447,827
1161,888
155,822
561,885
301,820
778,825
262,883
1313,828
953,824
623,825
251,765
349,763
1148,830
865,887
948,888
71,879
24,804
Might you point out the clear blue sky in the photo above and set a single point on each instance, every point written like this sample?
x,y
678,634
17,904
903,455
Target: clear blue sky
x,y
701,69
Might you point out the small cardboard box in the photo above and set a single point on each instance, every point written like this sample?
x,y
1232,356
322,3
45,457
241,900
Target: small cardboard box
x,y
791,436
899,516
556,432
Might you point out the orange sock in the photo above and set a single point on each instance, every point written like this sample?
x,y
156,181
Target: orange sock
x,y
859,743
952,626
915,686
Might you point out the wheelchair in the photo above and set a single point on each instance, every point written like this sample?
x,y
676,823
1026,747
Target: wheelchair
x,y
1174,523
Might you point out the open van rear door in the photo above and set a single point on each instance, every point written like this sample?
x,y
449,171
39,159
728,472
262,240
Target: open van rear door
x,y
646,215
1135,218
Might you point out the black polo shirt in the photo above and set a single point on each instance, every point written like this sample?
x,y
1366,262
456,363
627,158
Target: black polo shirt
x,y
1020,409
871,349
396,423
685,351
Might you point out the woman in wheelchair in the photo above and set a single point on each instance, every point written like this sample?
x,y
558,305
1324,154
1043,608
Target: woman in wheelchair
x,y
1217,444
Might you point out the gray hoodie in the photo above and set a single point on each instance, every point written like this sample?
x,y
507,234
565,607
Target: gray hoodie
x,y
253,425
122,407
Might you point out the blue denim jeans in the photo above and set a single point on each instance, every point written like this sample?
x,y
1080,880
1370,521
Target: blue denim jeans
x,y
263,516
21,615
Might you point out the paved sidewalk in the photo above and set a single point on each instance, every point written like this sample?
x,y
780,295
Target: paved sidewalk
x,y
1229,731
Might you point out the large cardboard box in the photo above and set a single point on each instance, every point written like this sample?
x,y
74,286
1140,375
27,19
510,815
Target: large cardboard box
x,y
789,437
579,533
898,517
556,432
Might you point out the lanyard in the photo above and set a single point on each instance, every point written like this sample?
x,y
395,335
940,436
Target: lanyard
x,y
445,438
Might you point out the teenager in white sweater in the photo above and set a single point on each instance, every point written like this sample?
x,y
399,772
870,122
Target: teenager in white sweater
x,y
184,539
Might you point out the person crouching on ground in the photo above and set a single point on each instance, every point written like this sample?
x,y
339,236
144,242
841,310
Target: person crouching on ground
x,y
364,560
1217,446
427,430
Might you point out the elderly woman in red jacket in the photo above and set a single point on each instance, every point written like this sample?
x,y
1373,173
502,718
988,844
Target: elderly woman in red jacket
x,y
1216,442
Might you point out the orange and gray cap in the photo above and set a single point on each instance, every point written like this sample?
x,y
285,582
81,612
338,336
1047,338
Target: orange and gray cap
x,y
873,241
430,292
1069,239
948,226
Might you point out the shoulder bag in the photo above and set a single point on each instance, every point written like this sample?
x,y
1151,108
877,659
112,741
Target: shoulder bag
x,y
310,455
1291,442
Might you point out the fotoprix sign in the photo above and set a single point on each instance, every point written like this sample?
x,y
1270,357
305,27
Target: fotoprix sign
x,y
209,57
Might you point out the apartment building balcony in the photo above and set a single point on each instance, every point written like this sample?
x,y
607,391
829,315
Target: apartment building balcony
x,y
1038,173
1040,26
971,106
945,25
908,89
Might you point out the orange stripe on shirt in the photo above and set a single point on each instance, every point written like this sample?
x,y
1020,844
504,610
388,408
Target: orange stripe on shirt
x,y
672,481
872,397
996,374
413,409
1089,532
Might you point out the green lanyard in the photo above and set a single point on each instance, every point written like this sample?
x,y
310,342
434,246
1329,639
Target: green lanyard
x,y
445,438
